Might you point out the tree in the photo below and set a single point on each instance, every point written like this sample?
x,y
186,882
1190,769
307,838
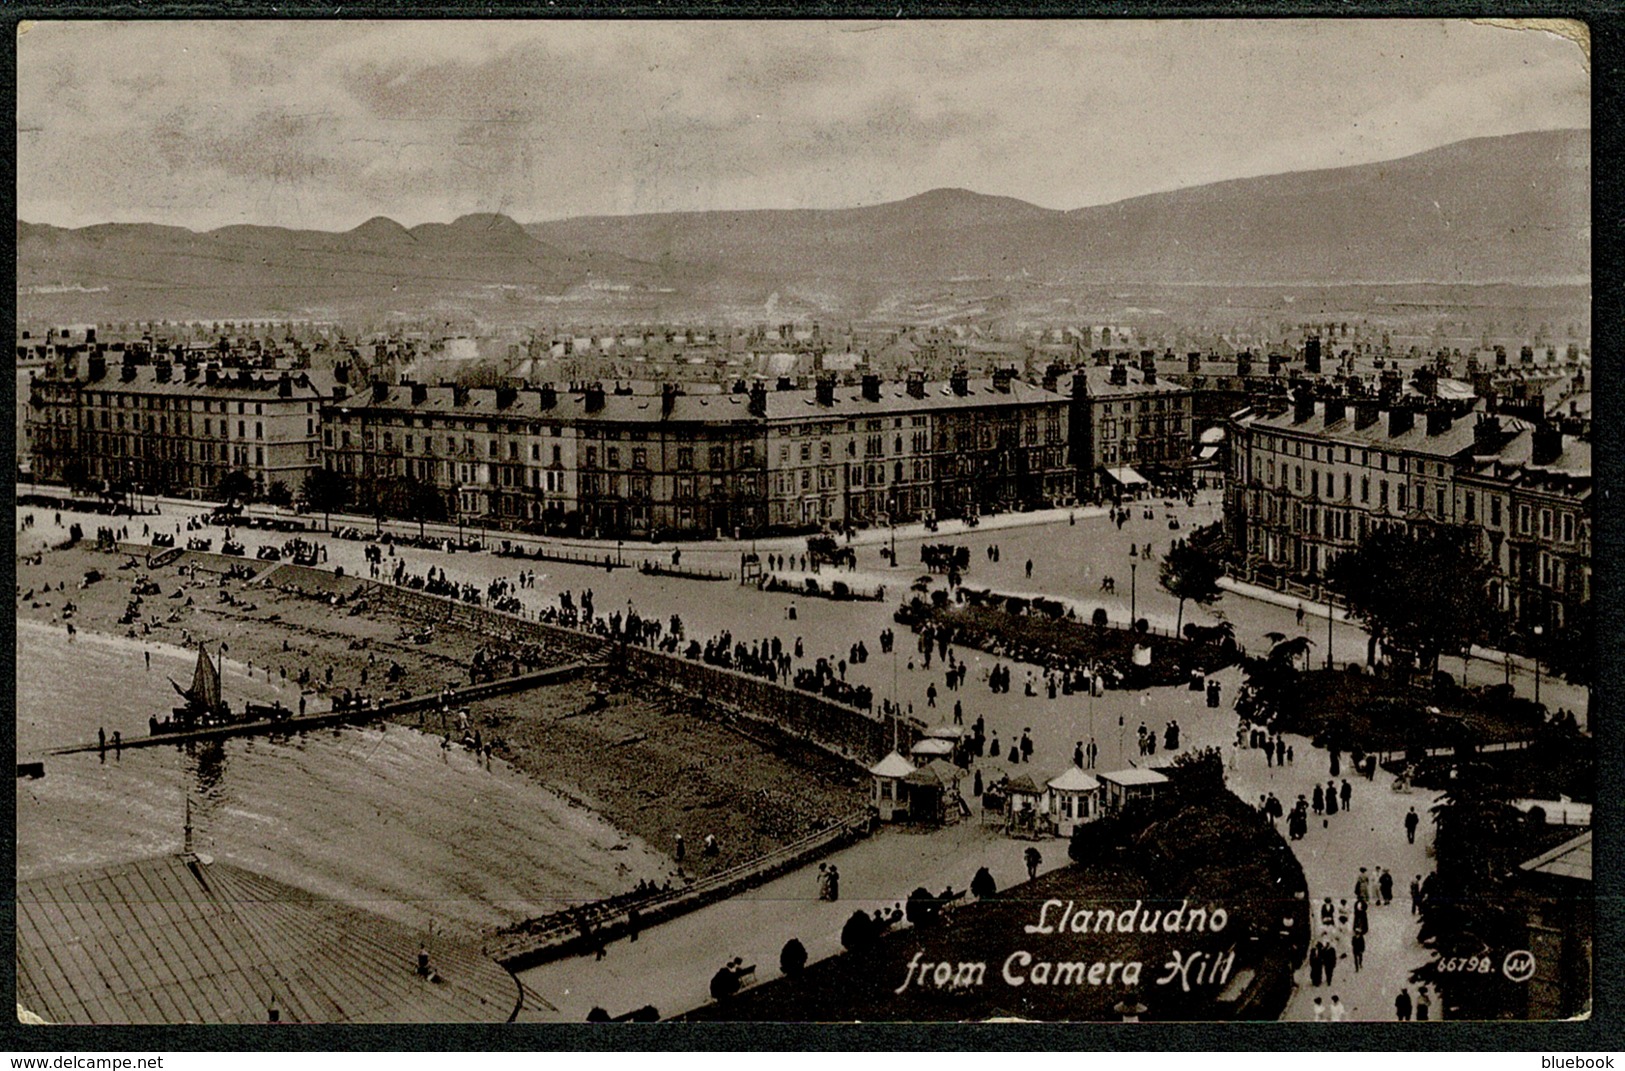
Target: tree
x,y
1190,572
325,490
793,957
982,886
75,474
235,486
278,494
1421,593
412,501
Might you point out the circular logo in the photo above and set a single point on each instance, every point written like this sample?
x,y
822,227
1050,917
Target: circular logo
x,y
1519,965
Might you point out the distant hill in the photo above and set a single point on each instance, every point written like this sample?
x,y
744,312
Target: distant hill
x,y
1513,209
146,269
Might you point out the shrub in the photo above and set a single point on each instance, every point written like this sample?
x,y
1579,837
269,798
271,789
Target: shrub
x,y
1142,626
793,957
1099,617
858,935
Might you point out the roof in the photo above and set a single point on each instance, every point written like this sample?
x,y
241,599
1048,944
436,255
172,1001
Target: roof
x,y
1126,476
1098,380
1571,859
783,406
893,765
935,772
1023,785
1450,442
944,731
262,384
1134,776
1074,780
931,745
176,939
849,402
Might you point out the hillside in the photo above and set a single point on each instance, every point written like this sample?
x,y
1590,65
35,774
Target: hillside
x,y
1513,209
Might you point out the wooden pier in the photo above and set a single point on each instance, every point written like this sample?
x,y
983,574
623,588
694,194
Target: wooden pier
x,y
300,723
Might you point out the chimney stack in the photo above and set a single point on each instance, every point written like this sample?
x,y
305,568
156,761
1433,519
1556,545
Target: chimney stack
x,y
785,383
871,387
1002,378
1193,362
1526,355
284,386
1439,421
959,382
1336,410
1311,354
340,392
1400,420
1275,364
824,390
1547,444
1244,363
916,383
1119,375
758,399
1303,405
1365,414
420,393
546,397
668,399
506,396
1487,435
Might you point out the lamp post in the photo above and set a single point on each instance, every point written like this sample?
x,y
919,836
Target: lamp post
x,y
1538,631
1133,597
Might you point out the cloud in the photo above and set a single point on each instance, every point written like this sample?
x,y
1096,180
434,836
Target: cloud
x,y
324,124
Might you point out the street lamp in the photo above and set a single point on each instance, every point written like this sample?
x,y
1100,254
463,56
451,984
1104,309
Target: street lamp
x,y
1538,631
1133,613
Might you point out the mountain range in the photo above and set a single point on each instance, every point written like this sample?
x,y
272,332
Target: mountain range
x,y
1513,209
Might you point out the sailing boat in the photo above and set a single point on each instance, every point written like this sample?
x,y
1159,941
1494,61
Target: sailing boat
x,y
203,699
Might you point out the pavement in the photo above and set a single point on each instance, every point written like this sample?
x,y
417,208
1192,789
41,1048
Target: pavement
x,y
1063,554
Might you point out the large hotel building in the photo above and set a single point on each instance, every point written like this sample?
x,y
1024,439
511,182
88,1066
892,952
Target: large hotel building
x,y
1310,480
637,465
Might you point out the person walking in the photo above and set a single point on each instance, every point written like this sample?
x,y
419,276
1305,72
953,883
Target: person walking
x,y
1424,1005
1331,799
1315,971
682,851
1339,1011
834,883
1319,800
1347,793
1357,949
1416,895
1402,1006
1033,859
1412,820
1362,886
1385,887
1320,1011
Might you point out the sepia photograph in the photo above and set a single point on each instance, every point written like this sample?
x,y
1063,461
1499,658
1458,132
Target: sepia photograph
x,y
616,522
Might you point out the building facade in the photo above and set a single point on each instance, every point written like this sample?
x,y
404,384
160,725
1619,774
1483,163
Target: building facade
x,y
1128,423
1310,482
638,465
174,428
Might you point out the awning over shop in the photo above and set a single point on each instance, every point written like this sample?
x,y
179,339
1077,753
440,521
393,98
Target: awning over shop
x,y
1127,476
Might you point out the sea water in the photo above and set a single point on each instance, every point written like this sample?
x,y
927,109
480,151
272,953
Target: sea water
x,y
377,816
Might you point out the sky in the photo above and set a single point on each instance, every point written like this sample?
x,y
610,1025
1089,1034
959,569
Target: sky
x,y
323,125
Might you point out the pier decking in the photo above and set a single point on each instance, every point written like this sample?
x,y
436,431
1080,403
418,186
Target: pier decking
x,y
299,723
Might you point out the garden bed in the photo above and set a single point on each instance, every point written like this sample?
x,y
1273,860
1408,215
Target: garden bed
x,y
1040,633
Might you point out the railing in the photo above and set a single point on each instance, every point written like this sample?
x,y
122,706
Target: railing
x,y
560,933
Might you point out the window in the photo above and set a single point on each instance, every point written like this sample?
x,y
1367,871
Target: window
x,y
719,457
1495,513
592,457
806,451
1523,520
558,455
685,457
823,449
1468,507
535,451
1546,524
1314,483
513,450
1568,527
490,448
1297,477
1438,502
640,458
1401,492
1382,494
747,455
1348,486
